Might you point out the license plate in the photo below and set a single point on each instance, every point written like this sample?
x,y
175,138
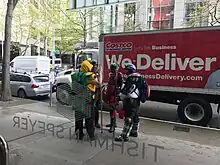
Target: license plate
x,y
46,86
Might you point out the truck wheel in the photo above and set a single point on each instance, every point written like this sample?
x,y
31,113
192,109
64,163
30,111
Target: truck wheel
x,y
63,94
196,111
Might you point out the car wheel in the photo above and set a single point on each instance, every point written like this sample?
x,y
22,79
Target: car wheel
x,y
21,93
63,94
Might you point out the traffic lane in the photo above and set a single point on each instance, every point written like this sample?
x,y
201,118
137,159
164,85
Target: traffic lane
x,y
168,112
161,111
150,109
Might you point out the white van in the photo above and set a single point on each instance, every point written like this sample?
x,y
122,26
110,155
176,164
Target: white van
x,y
33,64
57,62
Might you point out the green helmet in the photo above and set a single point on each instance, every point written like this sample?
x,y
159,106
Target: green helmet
x,y
84,57
113,66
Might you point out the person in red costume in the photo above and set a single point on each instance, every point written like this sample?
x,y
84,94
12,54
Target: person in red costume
x,y
114,85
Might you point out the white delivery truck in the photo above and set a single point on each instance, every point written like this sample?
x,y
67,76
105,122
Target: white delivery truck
x,y
181,66
33,64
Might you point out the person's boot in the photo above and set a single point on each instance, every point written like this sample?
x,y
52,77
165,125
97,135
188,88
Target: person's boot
x,y
112,127
121,139
79,135
134,130
109,125
133,134
97,125
91,130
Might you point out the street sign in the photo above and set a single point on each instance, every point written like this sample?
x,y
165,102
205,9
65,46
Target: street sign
x,y
52,76
56,52
81,4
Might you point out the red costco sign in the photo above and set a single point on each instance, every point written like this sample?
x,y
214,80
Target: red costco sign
x,y
118,46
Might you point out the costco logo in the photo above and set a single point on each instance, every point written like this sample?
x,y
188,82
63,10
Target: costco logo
x,y
120,46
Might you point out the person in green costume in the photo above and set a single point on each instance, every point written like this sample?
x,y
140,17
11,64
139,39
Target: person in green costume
x,y
86,77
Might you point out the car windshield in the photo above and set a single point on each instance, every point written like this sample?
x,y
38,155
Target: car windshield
x,y
55,61
41,78
81,57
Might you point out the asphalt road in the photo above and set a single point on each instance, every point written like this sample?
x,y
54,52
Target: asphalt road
x,y
160,111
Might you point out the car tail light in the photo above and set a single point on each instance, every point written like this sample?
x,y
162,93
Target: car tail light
x,y
34,86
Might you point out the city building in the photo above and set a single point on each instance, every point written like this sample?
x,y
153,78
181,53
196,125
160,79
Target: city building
x,y
153,15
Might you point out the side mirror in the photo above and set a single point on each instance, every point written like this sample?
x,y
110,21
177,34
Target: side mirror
x,y
11,64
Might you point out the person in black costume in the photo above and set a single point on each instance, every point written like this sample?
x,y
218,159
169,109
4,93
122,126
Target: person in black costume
x,y
97,95
131,103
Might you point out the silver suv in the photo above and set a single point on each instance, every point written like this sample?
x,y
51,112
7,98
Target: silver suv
x,y
29,85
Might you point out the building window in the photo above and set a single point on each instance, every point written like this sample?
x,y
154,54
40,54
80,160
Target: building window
x,y
196,14
33,50
129,17
160,14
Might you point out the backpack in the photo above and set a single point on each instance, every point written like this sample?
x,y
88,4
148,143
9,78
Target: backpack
x,y
80,77
136,87
144,90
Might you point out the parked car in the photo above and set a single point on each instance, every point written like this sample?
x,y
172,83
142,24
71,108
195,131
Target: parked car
x,y
62,86
29,85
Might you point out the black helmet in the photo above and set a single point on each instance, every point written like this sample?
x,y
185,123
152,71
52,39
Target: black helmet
x,y
94,62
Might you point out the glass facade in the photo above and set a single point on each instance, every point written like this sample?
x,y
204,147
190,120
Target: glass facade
x,y
161,14
110,19
130,11
196,14
89,3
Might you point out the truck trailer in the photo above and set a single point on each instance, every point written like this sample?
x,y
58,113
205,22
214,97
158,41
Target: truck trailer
x,y
182,66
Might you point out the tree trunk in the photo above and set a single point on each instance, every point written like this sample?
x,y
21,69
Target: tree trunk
x,y
6,90
84,37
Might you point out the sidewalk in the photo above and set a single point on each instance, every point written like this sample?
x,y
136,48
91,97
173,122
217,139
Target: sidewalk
x,y
35,139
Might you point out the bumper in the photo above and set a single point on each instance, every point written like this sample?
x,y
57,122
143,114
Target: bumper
x,y
42,93
38,92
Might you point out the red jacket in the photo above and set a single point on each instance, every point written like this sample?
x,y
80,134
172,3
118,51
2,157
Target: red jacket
x,y
112,90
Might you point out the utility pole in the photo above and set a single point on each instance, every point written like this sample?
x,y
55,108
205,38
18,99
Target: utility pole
x,y
53,44
2,43
38,47
45,46
53,67
46,37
